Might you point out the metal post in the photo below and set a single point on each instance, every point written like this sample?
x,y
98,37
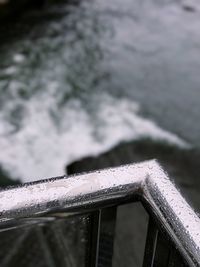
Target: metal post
x,y
101,238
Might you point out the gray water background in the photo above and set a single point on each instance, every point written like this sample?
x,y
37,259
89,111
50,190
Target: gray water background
x,y
76,55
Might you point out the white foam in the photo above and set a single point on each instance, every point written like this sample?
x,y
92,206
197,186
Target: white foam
x,y
18,58
49,137
10,70
42,148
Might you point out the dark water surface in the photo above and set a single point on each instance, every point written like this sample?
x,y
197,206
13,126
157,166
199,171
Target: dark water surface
x,y
78,78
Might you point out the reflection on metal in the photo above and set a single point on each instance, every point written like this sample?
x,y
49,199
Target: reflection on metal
x,y
146,182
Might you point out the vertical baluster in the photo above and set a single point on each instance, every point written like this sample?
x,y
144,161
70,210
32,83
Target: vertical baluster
x,y
151,243
160,250
101,238
158,246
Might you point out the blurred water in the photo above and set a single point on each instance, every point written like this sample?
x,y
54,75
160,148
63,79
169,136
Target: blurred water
x,y
76,79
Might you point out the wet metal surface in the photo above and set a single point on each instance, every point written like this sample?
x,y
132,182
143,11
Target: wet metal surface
x,y
144,181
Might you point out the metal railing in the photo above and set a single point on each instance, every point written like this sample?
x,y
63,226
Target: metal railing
x,y
173,237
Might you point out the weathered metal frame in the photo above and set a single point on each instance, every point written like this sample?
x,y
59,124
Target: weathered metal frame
x,y
145,182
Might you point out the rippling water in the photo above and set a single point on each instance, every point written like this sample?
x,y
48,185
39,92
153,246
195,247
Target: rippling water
x,y
77,79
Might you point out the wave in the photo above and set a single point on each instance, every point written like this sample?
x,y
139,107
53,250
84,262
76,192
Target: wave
x,y
44,145
53,100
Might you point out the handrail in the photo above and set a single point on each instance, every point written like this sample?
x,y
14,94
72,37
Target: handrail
x,y
145,181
